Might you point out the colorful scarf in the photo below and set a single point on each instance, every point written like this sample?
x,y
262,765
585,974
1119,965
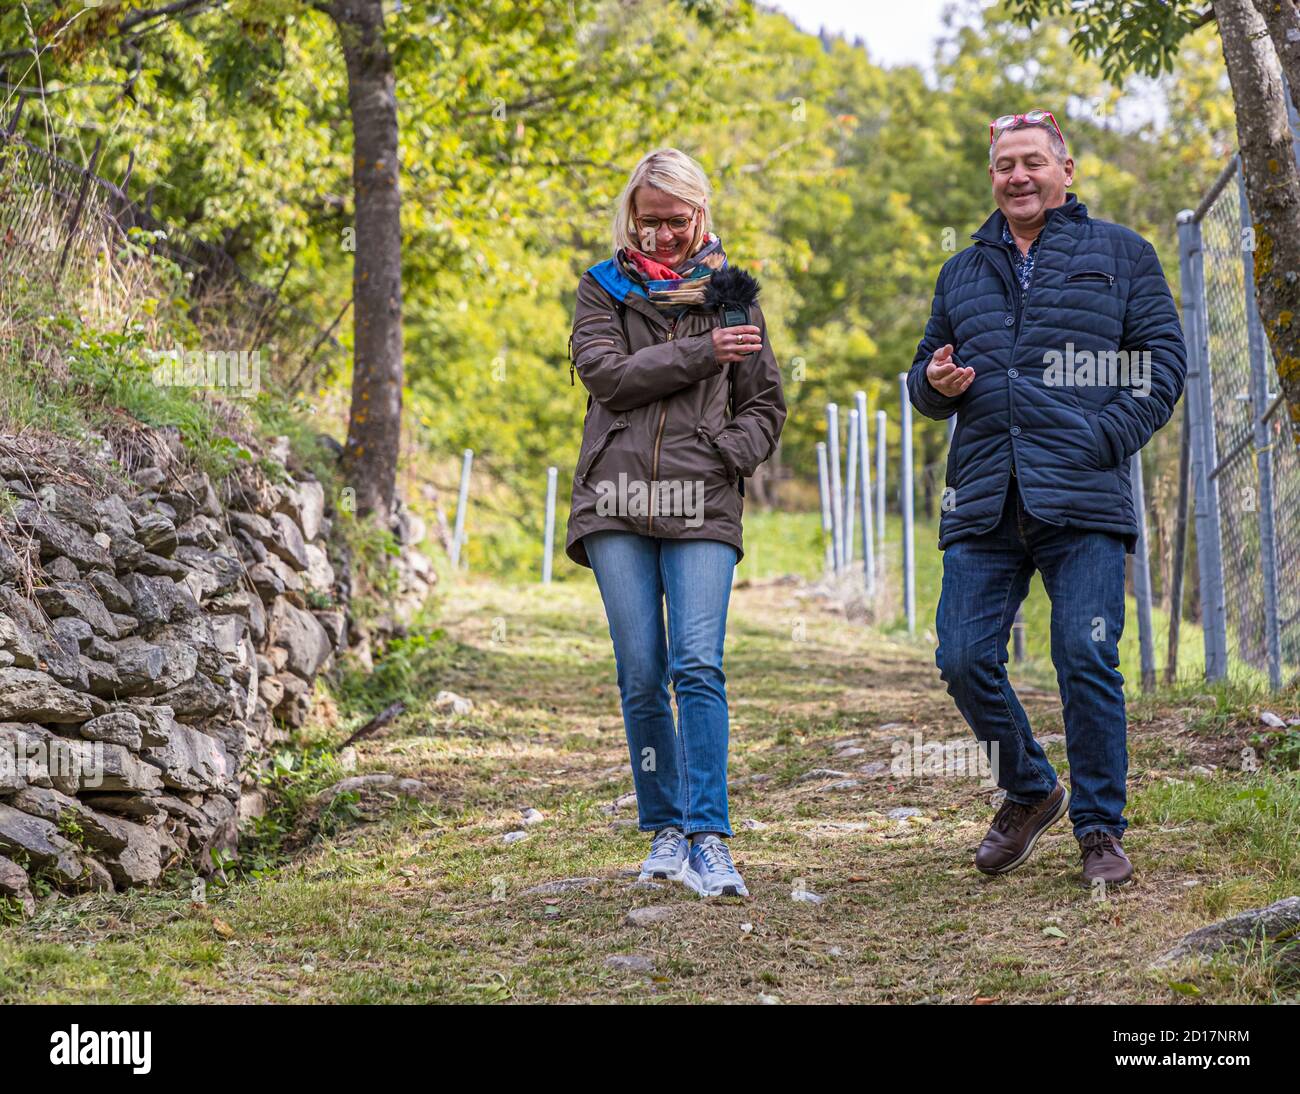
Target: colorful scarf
x,y
673,289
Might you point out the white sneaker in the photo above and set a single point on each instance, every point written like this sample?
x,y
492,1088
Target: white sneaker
x,y
711,871
669,858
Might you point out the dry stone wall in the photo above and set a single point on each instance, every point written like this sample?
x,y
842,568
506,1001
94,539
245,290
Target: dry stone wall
x,y
156,640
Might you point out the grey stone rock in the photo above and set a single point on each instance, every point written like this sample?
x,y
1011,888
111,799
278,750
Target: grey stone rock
x,y
41,841
305,503
287,542
72,634
156,534
161,566
630,962
77,598
61,569
30,696
187,758
300,634
59,537
652,915
15,886
112,592
1279,922
119,727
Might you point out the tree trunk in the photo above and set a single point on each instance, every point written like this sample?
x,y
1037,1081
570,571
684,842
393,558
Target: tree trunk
x,y
1272,185
1282,17
374,424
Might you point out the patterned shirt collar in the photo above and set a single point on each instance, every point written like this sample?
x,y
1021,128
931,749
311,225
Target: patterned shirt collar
x,y
1023,263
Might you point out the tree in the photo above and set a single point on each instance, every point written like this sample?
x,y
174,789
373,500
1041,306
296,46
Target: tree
x,y
1260,38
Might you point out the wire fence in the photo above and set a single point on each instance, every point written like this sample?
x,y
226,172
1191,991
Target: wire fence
x,y
57,219
1246,470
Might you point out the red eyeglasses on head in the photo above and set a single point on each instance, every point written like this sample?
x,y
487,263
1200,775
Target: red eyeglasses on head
x,y
1033,117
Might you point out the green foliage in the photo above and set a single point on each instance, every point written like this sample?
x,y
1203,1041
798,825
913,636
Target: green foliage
x,y
1142,36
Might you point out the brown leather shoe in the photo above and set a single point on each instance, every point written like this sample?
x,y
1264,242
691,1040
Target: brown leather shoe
x,y
1015,830
1104,858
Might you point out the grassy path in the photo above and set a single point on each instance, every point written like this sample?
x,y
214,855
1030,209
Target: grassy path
x,y
421,899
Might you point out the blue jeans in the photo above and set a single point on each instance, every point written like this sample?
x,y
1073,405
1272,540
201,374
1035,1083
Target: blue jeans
x,y
679,770
985,579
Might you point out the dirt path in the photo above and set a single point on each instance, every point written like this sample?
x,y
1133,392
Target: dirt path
x,y
427,901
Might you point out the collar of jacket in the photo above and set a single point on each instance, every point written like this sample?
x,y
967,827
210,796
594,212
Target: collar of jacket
x,y
991,230
626,291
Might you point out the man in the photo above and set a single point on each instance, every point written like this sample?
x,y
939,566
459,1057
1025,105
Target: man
x,y
1055,341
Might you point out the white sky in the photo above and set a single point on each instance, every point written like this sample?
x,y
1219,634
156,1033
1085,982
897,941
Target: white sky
x,y
897,32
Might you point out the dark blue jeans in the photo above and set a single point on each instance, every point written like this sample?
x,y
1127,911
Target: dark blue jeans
x,y
985,579
679,770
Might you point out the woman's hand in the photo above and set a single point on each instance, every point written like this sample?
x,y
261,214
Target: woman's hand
x,y
736,343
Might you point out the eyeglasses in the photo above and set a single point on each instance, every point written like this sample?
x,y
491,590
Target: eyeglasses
x,y
651,224
1034,117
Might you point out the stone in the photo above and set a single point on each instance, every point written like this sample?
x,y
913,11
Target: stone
x,y
1271,719
449,701
126,552
59,537
77,598
112,592
299,633
514,837
41,841
629,962
156,534
305,503
1279,922
531,816
266,581
287,542
30,696
187,758
119,727
336,626
72,634
903,812
319,576
96,765
14,885
653,915
113,516
161,566
61,569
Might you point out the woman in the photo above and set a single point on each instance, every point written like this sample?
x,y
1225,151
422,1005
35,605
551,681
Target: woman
x,y
680,409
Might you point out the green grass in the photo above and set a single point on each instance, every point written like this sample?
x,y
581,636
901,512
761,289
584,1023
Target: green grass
x,y
420,900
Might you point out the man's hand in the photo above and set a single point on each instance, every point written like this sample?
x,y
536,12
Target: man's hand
x,y
945,375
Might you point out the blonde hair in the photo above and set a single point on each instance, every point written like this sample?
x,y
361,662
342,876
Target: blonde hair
x,y
676,174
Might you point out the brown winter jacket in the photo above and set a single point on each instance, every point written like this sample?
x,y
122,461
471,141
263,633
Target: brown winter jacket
x,y
662,453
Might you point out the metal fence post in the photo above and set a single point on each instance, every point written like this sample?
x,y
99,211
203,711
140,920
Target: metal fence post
x,y
549,538
864,456
1259,401
837,490
823,485
881,453
1142,576
851,491
458,536
906,489
1200,414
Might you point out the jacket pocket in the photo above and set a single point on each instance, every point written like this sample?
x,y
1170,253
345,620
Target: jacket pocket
x,y
588,461
1090,275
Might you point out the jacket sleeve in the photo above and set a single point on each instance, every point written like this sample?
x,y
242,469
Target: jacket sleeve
x,y
938,332
1151,326
622,380
759,408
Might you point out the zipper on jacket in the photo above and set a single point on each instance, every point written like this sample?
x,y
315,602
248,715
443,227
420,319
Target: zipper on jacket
x,y
1091,275
578,325
659,436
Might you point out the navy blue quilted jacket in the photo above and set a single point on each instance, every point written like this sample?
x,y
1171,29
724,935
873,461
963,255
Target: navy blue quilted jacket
x,y
1051,392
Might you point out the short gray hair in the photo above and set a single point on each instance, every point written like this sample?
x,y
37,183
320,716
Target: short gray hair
x,y
1054,141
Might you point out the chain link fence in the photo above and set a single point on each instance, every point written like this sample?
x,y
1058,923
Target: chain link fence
x,y
1245,470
